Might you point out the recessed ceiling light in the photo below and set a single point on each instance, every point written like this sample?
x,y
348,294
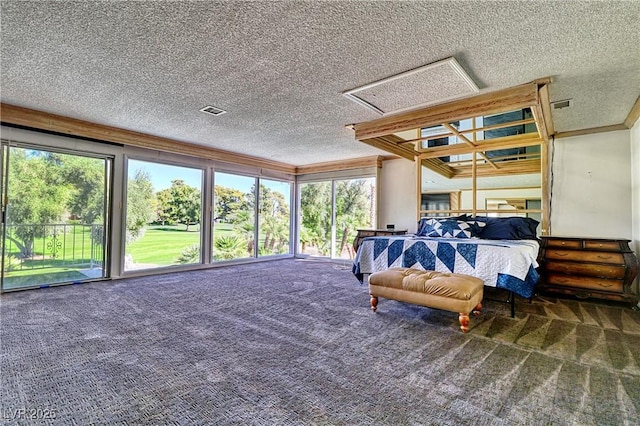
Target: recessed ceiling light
x,y
212,110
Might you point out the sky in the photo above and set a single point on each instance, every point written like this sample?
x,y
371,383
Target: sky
x,y
162,175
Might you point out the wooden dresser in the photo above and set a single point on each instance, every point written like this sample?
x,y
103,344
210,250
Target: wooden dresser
x,y
364,233
588,267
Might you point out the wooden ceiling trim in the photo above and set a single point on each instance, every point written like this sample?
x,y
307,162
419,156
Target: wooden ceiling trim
x,y
390,143
40,120
332,166
439,167
590,131
506,168
464,139
488,103
634,114
487,145
545,118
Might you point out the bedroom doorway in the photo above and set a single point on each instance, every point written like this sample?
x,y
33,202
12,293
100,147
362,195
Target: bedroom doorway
x,y
54,228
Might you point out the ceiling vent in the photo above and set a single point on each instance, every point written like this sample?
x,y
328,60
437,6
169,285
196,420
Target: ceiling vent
x,y
212,110
561,104
429,84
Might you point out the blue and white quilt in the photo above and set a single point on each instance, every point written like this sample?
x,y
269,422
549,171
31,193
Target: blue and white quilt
x,y
507,264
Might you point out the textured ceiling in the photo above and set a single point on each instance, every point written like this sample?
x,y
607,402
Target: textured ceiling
x,y
279,68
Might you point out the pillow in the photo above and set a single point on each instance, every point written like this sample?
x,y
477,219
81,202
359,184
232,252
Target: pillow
x,y
425,224
508,228
445,227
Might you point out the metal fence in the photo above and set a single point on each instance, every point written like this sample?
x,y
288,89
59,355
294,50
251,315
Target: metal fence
x,y
39,246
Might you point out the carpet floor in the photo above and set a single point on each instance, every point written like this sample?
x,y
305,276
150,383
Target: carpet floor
x,y
293,342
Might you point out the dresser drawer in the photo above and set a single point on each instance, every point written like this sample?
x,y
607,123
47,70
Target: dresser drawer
x,y
591,283
570,244
589,269
601,245
585,256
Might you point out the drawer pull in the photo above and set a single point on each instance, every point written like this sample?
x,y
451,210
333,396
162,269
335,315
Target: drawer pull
x,y
562,254
606,285
603,257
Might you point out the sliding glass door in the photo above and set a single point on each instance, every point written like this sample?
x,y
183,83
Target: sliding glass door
x,y
243,228
55,216
331,212
354,209
274,222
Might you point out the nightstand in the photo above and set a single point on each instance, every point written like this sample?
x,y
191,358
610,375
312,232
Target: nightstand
x,y
364,233
588,267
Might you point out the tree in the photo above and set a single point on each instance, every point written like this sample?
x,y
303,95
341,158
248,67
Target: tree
x,y
226,247
180,203
315,203
141,204
353,205
163,213
274,220
228,202
85,178
245,229
37,196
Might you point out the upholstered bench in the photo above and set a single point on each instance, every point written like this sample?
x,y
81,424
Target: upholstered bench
x,y
451,292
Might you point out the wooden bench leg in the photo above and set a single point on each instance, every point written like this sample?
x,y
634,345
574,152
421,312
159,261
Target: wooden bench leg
x,y
464,322
477,310
374,302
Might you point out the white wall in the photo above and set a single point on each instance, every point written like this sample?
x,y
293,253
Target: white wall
x,y
397,203
591,186
635,190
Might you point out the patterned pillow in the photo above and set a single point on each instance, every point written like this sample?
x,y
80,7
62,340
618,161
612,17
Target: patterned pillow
x,y
476,227
450,228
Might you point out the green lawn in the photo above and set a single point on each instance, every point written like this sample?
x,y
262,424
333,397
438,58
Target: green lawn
x,y
162,245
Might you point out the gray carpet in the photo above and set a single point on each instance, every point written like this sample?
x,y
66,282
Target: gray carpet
x,y
293,342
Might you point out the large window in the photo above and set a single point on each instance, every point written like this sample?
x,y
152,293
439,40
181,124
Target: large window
x,y
234,228
316,218
331,212
79,211
163,217
274,217
235,232
56,216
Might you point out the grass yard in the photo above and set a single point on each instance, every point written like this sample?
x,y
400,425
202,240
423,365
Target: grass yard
x,y
162,245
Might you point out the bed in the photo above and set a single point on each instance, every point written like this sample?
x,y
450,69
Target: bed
x,y
472,246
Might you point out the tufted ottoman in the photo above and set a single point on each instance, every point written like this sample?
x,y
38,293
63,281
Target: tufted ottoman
x,y
452,292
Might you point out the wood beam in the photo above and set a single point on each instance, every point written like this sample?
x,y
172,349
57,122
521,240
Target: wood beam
x,y
439,167
391,143
464,139
506,168
488,103
528,139
40,120
634,114
544,111
591,131
332,166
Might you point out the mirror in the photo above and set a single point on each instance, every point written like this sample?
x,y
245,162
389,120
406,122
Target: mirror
x,y
482,155
504,179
